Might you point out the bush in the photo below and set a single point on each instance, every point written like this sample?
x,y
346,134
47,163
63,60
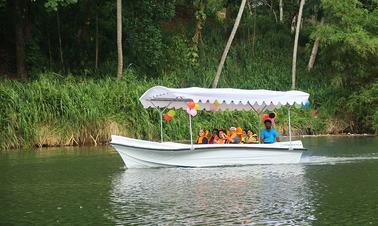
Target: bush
x,y
51,111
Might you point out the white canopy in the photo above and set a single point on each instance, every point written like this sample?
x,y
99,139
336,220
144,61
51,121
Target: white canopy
x,y
228,99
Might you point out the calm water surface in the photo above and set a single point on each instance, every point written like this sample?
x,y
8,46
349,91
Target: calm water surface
x,y
336,183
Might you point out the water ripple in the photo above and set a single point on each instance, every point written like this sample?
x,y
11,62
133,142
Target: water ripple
x,y
228,196
324,160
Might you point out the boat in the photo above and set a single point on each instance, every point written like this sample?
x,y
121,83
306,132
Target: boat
x,y
137,153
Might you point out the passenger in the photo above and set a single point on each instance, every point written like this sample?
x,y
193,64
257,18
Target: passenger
x,y
244,135
269,135
214,137
239,133
222,137
206,133
234,137
201,139
249,138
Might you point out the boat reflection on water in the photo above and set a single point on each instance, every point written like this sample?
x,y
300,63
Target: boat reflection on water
x,y
260,194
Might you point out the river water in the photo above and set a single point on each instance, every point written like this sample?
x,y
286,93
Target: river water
x,y
336,183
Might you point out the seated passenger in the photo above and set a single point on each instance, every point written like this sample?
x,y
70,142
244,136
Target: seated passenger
x,y
234,137
201,139
249,137
222,137
214,137
239,133
269,135
244,134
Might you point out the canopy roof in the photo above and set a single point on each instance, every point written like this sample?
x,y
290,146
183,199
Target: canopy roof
x,y
228,99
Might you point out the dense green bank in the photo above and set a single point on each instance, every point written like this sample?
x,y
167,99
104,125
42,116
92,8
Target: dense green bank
x,y
70,97
72,111
76,111
52,109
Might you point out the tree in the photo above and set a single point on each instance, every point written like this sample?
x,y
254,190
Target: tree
x,y
55,5
60,39
314,51
200,20
228,45
119,39
145,42
294,65
281,10
349,41
96,38
19,14
351,25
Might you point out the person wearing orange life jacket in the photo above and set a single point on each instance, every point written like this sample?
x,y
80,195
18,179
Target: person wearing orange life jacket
x,y
222,137
239,133
201,139
234,137
249,137
214,138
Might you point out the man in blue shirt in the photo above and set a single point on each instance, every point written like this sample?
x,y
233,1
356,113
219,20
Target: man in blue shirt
x,y
269,135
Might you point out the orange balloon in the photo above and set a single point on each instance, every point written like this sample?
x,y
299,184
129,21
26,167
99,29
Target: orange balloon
x,y
167,117
191,104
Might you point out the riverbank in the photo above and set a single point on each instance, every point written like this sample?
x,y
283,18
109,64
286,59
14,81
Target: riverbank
x,y
341,135
75,111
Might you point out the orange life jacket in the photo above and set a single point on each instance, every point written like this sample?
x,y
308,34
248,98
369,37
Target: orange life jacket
x,y
202,140
222,141
232,137
213,139
199,140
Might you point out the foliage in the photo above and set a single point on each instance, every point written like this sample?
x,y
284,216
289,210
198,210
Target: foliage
x,y
54,110
74,103
349,23
54,4
144,36
365,104
350,41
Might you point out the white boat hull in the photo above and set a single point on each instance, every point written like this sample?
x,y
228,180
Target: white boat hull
x,y
145,154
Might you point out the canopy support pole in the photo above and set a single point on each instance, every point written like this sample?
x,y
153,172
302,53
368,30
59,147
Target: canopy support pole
x,y
161,126
191,132
290,147
161,119
258,117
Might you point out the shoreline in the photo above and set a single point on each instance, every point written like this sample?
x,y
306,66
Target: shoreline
x,y
340,135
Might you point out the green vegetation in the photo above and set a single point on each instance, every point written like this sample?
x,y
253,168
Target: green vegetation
x,y
67,97
75,111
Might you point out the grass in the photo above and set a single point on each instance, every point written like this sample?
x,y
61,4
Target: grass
x,y
55,111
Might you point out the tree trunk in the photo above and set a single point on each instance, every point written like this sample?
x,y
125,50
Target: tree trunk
x,y
19,38
97,42
119,39
314,51
272,8
60,40
199,24
294,65
254,33
227,19
49,47
281,10
200,19
270,5
228,45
